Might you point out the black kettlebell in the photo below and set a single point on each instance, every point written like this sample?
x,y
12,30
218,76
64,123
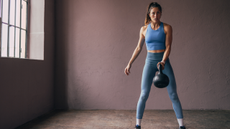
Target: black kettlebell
x,y
161,80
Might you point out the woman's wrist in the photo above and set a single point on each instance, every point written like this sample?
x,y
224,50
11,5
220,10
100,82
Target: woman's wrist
x,y
163,62
129,64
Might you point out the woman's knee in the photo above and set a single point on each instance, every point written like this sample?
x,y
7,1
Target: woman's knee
x,y
144,95
173,96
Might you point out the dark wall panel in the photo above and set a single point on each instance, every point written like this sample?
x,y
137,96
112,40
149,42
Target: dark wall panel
x,y
27,88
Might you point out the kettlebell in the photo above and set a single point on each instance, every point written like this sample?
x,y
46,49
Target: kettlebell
x,y
161,80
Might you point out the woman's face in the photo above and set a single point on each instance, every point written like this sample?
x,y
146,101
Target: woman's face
x,y
155,14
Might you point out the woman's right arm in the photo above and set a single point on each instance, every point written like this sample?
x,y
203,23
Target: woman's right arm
x,y
136,51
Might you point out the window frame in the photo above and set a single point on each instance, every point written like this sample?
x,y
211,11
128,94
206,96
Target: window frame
x,y
8,24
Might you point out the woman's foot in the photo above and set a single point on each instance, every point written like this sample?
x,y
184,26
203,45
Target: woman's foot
x,y
137,127
182,127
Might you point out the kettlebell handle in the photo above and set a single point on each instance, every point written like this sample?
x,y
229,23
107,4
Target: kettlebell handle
x,y
160,68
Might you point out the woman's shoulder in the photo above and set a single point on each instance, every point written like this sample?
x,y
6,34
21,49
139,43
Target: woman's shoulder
x,y
144,28
167,27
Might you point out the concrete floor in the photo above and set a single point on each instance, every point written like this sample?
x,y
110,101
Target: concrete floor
x,y
125,119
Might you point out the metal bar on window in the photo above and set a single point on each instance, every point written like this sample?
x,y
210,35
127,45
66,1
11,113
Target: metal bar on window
x,y
8,35
20,29
15,27
1,28
26,28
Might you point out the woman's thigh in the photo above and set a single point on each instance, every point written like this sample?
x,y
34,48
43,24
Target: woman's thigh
x,y
169,72
148,74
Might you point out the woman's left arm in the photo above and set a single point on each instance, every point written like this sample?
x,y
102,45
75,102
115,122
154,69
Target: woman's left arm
x,y
168,43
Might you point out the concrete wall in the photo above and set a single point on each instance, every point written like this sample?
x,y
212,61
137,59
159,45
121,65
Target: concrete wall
x,y
96,38
26,90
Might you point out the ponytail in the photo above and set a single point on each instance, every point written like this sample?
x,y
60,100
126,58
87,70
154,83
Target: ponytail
x,y
150,6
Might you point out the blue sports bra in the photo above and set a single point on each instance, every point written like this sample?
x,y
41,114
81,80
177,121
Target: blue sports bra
x,y
155,39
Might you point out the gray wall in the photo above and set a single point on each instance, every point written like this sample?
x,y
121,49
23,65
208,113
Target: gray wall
x,y
96,38
27,88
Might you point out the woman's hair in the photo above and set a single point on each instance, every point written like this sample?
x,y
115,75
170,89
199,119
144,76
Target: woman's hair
x,y
150,6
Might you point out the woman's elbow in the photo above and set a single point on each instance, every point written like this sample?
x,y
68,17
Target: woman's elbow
x,y
138,48
168,48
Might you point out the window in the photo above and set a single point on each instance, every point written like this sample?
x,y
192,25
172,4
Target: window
x,y
22,29
14,15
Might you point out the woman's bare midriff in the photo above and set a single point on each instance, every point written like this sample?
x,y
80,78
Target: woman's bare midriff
x,y
156,51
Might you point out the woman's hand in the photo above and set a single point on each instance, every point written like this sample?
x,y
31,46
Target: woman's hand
x,y
127,69
162,64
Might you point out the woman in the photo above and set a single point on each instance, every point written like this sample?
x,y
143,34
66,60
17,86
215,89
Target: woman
x,y
158,38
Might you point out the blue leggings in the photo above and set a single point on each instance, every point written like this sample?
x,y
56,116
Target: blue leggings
x,y
149,71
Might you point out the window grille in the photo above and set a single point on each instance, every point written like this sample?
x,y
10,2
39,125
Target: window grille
x,y
14,20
